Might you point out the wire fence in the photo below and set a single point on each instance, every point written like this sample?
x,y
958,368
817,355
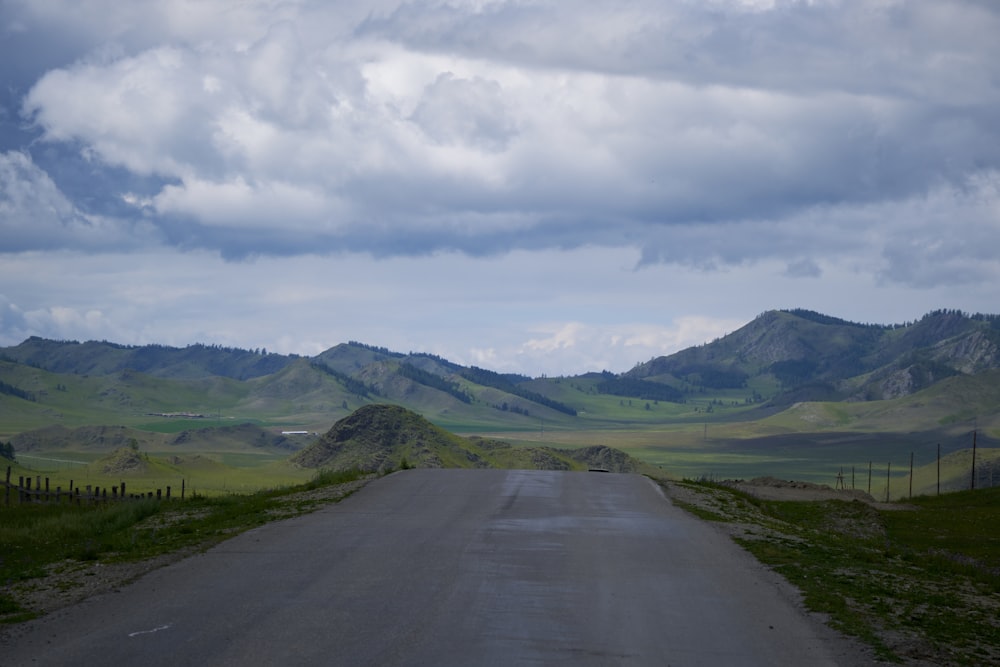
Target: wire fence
x,y
37,490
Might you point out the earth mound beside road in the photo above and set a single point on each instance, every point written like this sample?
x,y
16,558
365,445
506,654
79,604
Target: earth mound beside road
x,y
771,488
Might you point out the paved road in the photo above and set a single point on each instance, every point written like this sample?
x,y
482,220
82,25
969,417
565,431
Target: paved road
x,y
451,567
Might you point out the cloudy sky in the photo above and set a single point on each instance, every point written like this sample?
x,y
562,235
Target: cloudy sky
x,y
531,186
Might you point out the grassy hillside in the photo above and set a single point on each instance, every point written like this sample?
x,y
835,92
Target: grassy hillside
x,y
779,360
811,356
382,437
793,393
105,358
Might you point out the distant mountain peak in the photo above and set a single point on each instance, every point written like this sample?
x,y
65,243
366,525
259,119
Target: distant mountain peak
x,y
836,358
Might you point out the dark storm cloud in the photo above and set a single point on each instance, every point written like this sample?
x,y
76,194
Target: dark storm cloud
x,y
703,133
35,215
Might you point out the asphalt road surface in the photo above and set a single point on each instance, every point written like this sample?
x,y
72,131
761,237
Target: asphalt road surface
x,y
454,567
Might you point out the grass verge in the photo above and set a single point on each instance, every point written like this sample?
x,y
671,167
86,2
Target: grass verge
x,y
919,583
41,539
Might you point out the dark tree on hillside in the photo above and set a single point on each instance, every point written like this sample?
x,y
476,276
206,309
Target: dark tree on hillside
x,y
11,390
641,389
356,387
506,382
7,451
434,381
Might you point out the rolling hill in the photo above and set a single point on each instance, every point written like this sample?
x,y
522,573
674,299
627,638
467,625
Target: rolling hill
x,y
385,437
106,358
804,355
779,359
789,378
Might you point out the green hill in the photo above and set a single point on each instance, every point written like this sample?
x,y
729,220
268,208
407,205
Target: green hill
x,y
780,359
801,355
84,438
105,358
384,437
790,384
235,438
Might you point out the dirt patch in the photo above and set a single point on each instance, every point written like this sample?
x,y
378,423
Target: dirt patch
x,y
69,582
771,488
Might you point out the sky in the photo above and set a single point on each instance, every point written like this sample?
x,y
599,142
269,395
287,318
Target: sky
x,y
540,187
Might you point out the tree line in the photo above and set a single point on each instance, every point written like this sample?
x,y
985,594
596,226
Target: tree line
x,y
11,390
496,380
433,381
352,385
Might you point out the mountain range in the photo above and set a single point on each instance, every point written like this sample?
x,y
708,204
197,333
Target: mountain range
x,y
948,362
810,356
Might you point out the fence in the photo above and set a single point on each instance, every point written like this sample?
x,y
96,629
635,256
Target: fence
x,y
28,493
982,471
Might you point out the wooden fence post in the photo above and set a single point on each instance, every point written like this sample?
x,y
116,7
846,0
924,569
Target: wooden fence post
x,y
911,475
973,483
7,495
888,473
168,493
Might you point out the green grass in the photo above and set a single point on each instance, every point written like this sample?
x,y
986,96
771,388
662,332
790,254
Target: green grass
x,y
961,528
919,582
177,425
205,473
37,536
729,452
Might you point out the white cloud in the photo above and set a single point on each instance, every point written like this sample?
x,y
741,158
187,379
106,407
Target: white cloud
x,y
547,188
36,215
395,126
465,112
238,204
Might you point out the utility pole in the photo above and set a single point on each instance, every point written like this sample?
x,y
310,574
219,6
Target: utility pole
x,y
973,486
888,475
911,474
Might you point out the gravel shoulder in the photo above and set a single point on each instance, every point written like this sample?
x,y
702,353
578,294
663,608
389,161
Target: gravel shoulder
x,y
899,602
